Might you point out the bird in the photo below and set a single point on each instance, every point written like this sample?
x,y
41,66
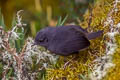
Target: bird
x,y
65,40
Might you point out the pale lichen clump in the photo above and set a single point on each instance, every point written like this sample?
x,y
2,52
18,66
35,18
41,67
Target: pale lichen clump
x,y
21,61
114,72
105,62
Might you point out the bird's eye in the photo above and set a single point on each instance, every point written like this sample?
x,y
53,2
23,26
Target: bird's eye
x,y
41,40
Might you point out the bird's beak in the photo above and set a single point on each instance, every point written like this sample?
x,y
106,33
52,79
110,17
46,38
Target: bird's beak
x,y
34,44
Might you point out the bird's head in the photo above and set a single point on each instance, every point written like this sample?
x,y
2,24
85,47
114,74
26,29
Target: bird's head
x,y
42,37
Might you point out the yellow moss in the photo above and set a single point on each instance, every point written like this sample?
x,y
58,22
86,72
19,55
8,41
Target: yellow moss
x,y
114,72
73,70
100,11
82,63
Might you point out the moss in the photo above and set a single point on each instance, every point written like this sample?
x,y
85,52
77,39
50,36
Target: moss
x,y
77,66
81,65
100,11
114,72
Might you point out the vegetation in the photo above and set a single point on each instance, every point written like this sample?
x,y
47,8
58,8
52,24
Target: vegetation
x,y
20,59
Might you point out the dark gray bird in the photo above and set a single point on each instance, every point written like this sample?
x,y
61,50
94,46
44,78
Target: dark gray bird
x,y
65,40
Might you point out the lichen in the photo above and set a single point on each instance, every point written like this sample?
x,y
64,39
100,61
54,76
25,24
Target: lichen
x,y
114,72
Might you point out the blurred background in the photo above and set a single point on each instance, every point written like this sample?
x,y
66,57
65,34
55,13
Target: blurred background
x,y
41,13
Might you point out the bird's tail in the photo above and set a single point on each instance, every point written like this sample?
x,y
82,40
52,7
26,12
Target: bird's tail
x,y
94,35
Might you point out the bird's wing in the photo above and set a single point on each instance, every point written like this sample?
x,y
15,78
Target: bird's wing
x,y
68,40
74,45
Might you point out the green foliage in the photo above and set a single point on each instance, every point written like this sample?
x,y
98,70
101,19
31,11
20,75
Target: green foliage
x,y
10,73
19,43
60,22
41,75
38,12
83,77
1,20
1,70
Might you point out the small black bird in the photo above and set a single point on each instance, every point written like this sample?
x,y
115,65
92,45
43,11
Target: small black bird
x,y
65,40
